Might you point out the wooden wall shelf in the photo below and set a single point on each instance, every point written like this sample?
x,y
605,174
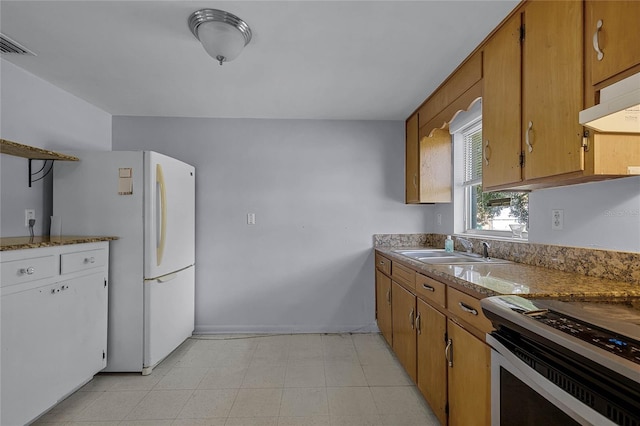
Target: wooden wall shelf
x,y
32,153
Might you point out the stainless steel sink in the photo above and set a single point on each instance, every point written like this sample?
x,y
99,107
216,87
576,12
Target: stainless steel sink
x,y
441,257
427,253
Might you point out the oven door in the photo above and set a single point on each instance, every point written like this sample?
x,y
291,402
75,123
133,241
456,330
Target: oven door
x,y
522,396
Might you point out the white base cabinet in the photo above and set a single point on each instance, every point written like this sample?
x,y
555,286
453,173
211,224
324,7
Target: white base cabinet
x,y
54,329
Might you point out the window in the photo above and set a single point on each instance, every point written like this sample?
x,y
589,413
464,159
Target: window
x,y
487,212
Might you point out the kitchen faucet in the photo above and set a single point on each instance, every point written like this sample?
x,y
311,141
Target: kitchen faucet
x,y
485,249
468,245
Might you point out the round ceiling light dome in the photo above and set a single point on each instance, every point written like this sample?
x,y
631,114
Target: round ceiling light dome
x,y
222,34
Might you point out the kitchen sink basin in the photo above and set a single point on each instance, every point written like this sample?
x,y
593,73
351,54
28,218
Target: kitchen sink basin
x,y
419,254
460,259
441,257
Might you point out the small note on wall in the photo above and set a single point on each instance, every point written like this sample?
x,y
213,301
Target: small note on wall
x,y
125,181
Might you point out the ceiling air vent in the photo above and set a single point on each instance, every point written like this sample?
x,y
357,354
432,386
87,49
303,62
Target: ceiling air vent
x,y
9,46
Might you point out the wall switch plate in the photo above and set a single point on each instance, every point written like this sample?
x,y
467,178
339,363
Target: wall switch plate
x,y
251,218
29,214
557,220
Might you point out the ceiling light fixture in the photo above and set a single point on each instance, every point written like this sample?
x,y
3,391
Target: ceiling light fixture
x,y
222,34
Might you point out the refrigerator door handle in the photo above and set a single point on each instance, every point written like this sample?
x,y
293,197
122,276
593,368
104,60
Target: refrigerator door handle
x,y
163,213
166,278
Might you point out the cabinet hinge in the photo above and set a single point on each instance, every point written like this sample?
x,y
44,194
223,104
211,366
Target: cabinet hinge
x,y
522,33
521,160
105,282
104,354
585,141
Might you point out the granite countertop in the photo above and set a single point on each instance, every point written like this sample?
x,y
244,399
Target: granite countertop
x,y
20,243
519,279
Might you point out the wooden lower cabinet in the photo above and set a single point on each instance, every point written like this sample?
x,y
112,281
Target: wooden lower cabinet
x,y
469,378
383,306
431,327
403,311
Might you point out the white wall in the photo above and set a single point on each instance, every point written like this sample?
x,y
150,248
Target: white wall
x,y
319,189
603,215
34,112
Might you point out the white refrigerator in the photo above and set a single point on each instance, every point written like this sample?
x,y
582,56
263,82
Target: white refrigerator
x,y
147,200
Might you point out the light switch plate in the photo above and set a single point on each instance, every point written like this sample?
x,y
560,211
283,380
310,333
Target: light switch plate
x,y
251,218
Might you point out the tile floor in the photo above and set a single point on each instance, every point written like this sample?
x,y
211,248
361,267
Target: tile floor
x,y
295,380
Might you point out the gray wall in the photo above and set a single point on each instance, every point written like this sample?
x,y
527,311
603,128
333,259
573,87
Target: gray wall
x,y
37,113
602,215
319,190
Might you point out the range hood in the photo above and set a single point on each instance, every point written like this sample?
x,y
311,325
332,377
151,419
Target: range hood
x,y
618,110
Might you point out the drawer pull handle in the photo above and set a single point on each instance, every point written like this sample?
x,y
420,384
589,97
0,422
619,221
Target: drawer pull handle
x,y
448,350
428,287
90,259
467,309
596,41
411,319
27,271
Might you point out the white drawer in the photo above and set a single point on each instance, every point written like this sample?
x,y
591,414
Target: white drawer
x,y
82,260
29,269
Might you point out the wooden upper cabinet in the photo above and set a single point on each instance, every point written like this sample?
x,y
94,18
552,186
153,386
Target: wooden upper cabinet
x,y
412,161
617,37
428,165
435,167
552,88
501,106
464,78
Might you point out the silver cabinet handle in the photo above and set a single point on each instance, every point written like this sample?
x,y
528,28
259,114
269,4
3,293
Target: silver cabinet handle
x,y
596,41
527,136
27,271
467,309
418,323
484,154
411,319
428,287
90,259
448,350
389,297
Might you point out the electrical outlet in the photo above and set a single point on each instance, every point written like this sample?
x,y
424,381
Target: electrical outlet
x,y
29,214
439,219
251,218
557,220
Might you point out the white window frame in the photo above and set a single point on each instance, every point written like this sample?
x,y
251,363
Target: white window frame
x,y
463,123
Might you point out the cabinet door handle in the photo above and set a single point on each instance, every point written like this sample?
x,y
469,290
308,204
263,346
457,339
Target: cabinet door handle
x,y
418,329
27,271
428,287
596,40
389,297
447,351
484,154
411,319
415,180
467,309
90,259
528,136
